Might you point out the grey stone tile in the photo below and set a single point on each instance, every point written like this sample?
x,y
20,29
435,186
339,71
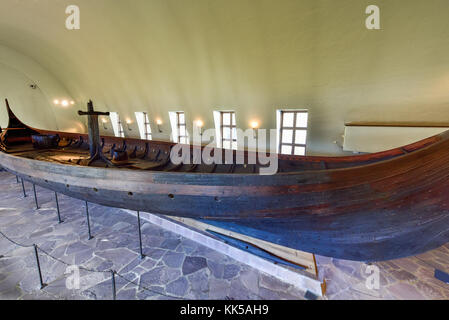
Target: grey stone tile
x,y
178,287
216,268
193,264
199,281
231,271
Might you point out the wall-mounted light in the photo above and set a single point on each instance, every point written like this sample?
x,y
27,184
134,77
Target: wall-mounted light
x,y
128,122
200,124
64,102
104,123
254,126
159,123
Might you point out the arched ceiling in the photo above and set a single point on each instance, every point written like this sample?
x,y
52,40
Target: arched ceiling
x,y
252,56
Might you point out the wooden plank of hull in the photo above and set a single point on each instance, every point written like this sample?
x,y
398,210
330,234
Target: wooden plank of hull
x,y
382,211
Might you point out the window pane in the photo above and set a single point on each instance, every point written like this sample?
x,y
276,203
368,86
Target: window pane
x,y
234,145
181,118
286,150
226,119
226,133
234,133
288,119
227,144
300,136
233,119
300,151
183,140
287,136
182,130
301,119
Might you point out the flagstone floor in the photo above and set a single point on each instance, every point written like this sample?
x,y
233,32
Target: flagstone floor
x,y
410,278
174,267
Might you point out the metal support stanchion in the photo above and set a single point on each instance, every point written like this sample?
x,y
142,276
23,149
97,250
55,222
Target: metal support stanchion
x,y
39,267
113,285
57,208
88,220
35,196
17,179
140,236
23,189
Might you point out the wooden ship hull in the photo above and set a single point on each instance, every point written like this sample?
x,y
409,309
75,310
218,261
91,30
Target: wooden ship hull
x,y
369,207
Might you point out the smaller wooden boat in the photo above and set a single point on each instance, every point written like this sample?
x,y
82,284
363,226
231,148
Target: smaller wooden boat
x,y
369,207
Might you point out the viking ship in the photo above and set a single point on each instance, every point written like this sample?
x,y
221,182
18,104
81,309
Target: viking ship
x,y
368,207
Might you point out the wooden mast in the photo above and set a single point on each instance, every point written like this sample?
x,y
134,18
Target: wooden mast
x,y
95,148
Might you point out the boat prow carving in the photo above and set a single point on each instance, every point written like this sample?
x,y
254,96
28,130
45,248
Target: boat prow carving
x,y
17,133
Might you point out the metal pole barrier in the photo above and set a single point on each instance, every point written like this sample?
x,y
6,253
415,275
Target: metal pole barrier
x,y
35,196
140,236
57,208
39,267
23,189
88,220
113,285
17,179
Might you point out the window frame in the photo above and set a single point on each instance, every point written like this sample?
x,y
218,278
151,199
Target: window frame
x,y
231,126
121,131
118,122
178,127
294,128
146,126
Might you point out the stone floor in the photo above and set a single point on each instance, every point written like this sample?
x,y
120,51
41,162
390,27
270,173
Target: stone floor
x,y
174,267
410,278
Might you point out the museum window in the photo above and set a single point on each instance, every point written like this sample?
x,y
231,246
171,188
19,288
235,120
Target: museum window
x,y
144,125
228,130
292,132
178,124
117,124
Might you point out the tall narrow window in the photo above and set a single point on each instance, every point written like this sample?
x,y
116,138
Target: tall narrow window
x,y
178,126
117,124
292,131
228,130
144,125
181,126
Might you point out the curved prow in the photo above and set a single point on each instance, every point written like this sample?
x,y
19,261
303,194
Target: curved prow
x,y
14,122
16,133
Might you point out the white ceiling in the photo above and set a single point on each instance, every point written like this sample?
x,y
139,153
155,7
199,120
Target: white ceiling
x,y
252,56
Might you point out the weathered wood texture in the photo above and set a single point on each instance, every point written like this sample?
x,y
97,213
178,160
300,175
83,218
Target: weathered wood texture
x,y
395,206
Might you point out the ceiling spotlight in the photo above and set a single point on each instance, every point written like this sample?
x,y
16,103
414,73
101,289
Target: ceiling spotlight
x,y
56,101
64,103
72,102
128,122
